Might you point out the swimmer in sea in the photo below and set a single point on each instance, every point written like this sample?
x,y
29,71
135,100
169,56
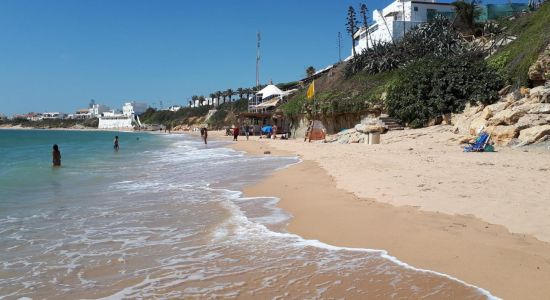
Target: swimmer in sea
x,y
56,156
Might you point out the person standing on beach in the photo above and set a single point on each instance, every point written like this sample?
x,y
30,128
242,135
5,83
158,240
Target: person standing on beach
x,y
56,156
116,147
274,135
204,134
235,133
246,131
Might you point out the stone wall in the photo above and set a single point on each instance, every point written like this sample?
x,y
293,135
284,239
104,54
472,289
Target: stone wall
x,y
333,124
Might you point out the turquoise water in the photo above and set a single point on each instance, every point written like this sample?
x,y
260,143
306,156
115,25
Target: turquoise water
x,y
163,218
28,178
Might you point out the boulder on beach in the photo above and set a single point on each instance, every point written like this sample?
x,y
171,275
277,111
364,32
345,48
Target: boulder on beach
x,y
371,128
531,120
534,134
507,119
509,116
502,134
540,108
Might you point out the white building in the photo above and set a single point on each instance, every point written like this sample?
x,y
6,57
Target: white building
x,y
81,114
97,109
115,121
174,108
53,115
266,98
394,20
134,108
125,120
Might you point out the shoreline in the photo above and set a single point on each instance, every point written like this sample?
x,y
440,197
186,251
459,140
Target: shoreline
x,y
67,129
466,247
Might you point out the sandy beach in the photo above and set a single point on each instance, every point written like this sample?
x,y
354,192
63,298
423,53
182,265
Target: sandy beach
x,y
479,217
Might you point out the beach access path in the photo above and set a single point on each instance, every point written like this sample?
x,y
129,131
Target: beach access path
x,y
481,217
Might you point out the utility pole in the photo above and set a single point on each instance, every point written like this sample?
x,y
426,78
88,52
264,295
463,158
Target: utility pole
x,y
339,46
403,18
258,60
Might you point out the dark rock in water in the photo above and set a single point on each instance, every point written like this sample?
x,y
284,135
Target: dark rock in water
x,y
267,152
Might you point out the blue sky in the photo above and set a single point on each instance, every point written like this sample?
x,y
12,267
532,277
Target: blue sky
x,y
57,55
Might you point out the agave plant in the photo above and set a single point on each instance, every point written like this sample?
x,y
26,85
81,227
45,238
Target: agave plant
x,y
434,39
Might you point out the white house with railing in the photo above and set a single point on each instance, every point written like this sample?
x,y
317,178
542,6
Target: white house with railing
x,y
134,108
125,120
96,110
396,19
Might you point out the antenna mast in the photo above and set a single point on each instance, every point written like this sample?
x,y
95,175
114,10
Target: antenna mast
x,y
258,61
339,46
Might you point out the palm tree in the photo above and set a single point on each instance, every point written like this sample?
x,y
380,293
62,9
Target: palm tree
x,y
310,71
218,95
202,100
190,103
212,96
195,98
229,93
240,91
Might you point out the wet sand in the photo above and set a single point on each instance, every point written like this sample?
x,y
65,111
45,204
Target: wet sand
x,y
469,246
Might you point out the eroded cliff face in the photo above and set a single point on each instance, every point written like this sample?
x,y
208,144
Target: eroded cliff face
x,y
539,72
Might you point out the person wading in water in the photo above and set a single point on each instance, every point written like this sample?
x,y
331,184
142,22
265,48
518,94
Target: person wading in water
x,y
56,156
116,147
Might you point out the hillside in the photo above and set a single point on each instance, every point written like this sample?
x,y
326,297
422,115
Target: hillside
x,y
533,35
431,72
195,115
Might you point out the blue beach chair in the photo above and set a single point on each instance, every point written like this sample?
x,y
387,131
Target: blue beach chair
x,y
479,144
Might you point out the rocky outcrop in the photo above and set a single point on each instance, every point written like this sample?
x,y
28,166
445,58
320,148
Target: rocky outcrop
x,y
502,134
534,134
531,120
359,134
520,119
364,128
539,72
509,116
540,108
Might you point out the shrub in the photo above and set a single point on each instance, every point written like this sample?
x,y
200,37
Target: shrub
x,y
432,87
434,39
295,106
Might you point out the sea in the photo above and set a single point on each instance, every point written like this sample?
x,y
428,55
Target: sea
x,y
164,218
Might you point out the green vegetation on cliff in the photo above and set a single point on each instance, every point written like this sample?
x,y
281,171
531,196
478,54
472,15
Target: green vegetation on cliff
x,y
361,84
338,95
430,87
192,115
533,34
